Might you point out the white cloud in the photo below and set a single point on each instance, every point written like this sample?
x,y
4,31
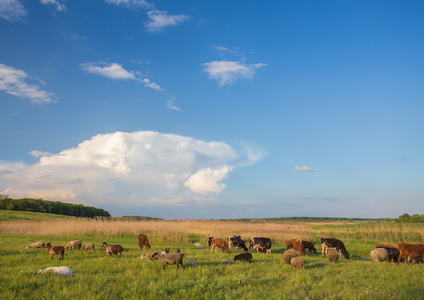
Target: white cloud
x,y
112,70
36,153
226,72
126,168
13,82
151,84
58,5
160,19
208,180
170,103
304,169
130,3
117,72
12,10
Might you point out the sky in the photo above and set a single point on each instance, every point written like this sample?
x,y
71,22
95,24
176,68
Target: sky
x,y
214,109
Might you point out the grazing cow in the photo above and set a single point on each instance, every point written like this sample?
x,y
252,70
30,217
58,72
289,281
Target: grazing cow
x,y
237,241
392,250
209,242
220,244
143,241
289,244
263,243
339,245
310,246
410,251
243,256
298,246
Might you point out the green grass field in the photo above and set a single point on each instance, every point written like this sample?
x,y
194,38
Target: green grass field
x,y
9,215
98,276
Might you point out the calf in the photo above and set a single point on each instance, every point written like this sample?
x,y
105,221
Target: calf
x,y
407,251
339,245
326,249
220,244
143,241
56,250
237,241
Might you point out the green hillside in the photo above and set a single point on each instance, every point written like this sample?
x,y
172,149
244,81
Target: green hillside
x,y
9,215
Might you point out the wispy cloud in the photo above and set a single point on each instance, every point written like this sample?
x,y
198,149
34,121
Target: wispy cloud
x,y
160,19
170,103
112,70
13,81
303,169
233,50
131,3
138,166
226,72
56,3
12,10
117,72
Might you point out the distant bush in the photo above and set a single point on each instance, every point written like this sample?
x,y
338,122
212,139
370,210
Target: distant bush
x,y
406,218
54,207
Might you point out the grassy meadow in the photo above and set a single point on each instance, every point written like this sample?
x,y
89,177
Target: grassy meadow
x,y
98,276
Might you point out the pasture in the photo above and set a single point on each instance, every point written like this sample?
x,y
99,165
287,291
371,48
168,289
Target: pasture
x,y
98,276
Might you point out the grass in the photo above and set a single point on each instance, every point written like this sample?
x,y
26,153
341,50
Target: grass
x,y
268,276
10,215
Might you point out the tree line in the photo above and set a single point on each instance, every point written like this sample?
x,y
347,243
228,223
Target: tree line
x,y
406,218
54,207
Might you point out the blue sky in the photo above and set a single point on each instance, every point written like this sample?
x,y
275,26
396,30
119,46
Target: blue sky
x,y
214,109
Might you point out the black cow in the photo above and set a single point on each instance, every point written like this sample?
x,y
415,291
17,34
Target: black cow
x,y
237,241
335,243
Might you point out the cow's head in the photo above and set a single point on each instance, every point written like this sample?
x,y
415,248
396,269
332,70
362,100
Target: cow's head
x,y
346,255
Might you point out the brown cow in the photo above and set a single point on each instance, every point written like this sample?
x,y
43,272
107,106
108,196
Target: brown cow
x,y
143,241
220,244
298,246
310,246
410,251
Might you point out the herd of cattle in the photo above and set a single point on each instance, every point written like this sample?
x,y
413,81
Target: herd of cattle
x,y
296,248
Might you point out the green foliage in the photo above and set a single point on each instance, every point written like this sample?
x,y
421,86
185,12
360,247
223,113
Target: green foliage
x,y
57,207
406,218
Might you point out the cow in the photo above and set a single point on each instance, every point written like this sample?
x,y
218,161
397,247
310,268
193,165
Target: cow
x,y
237,241
298,246
220,244
326,249
263,243
310,246
392,250
143,241
407,251
330,242
209,242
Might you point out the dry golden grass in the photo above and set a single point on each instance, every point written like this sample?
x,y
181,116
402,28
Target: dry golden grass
x,y
159,230
183,231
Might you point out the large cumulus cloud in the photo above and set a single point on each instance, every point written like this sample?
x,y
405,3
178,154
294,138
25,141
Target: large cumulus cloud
x,y
139,168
